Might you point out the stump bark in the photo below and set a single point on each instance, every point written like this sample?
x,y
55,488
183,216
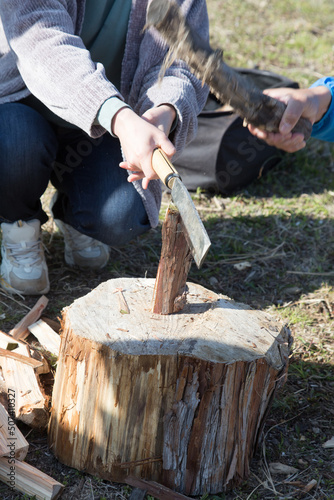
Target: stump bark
x,y
179,399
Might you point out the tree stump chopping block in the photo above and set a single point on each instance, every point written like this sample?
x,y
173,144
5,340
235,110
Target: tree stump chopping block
x,y
180,399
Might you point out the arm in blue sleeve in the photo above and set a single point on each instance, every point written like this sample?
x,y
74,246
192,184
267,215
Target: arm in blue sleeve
x,y
324,128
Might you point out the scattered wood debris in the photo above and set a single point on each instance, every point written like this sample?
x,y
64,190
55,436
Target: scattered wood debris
x,y
22,394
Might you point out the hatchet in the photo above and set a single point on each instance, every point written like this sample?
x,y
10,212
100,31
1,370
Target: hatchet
x,y
194,230
207,64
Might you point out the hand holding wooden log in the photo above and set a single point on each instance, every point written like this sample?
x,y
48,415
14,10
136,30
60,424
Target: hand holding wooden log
x,y
225,83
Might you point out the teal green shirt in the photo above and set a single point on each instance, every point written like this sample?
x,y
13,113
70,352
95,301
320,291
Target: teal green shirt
x,y
104,34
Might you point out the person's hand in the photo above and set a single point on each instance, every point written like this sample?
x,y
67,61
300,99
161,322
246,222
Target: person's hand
x,y
310,103
139,136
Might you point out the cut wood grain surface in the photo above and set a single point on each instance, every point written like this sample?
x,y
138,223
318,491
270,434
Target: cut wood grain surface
x,y
235,331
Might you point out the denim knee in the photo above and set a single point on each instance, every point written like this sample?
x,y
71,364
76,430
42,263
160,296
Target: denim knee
x,y
28,146
114,225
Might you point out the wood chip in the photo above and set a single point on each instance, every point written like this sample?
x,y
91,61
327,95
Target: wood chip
x,y
310,485
20,331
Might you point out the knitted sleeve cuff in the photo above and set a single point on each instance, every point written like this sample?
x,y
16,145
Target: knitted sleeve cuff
x,y
107,112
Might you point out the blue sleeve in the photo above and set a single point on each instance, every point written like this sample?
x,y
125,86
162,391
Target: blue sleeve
x,y
324,128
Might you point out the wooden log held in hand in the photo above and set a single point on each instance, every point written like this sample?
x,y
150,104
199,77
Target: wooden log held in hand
x,y
179,399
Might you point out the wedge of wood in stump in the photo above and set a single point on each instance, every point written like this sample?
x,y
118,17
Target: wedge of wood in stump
x,y
179,399
175,261
23,477
19,379
12,442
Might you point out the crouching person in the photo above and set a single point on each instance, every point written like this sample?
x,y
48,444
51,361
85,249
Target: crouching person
x,y
81,105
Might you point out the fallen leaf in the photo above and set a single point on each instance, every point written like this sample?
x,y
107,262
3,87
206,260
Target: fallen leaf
x,y
278,468
329,444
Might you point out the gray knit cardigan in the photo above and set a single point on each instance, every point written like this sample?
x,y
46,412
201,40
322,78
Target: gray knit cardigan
x,y
42,53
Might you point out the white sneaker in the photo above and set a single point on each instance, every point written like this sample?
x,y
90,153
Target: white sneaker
x,y
23,267
82,250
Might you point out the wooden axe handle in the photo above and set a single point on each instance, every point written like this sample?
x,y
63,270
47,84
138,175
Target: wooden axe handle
x,y
164,167
225,83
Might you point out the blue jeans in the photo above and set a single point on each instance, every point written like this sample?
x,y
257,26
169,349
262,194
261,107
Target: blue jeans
x,y
94,195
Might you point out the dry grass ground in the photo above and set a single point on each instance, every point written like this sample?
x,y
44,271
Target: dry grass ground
x,y
283,227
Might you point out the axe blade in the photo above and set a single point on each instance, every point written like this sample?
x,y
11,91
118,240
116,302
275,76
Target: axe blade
x,y
194,230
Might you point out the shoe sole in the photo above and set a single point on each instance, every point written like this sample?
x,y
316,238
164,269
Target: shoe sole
x,y
8,288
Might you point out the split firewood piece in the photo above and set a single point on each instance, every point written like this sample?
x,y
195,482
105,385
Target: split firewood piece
x,y
55,325
12,442
23,477
36,354
37,365
20,331
175,261
10,344
37,361
20,380
46,336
